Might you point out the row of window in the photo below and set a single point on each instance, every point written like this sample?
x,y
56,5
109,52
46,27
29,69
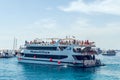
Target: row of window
x,y
81,57
46,48
77,57
41,48
46,56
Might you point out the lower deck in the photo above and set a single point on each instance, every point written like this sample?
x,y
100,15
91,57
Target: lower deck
x,y
81,63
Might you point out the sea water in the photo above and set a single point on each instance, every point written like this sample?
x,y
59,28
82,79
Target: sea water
x,y
10,69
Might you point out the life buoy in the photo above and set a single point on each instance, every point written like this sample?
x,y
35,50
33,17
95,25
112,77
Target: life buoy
x,y
50,59
19,59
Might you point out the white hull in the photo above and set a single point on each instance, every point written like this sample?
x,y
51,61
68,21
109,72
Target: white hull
x,y
41,62
47,62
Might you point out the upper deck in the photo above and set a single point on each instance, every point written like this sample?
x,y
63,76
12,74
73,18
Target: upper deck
x,y
60,42
56,44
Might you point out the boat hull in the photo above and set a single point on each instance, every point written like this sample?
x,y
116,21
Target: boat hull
x,y
109,54
48,62
57,63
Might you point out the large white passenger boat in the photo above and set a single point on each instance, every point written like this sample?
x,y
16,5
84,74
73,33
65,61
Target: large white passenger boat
x,y
54,51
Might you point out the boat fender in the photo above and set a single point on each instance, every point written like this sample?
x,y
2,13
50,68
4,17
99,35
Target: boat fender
x,y
34,56
59,62
74,62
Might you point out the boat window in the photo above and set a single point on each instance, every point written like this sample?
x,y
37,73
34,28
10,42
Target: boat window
x,y
46,56
81,57
77,50
22,54
86,49
41,48
62,47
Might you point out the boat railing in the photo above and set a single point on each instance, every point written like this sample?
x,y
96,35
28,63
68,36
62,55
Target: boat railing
x,y
67,41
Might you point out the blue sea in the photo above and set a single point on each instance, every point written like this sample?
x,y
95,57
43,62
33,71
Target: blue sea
x,y
10,69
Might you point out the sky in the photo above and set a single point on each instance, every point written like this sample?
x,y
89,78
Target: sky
x,y
94,20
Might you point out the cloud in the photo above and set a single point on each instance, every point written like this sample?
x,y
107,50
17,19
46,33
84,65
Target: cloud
x,y
95,6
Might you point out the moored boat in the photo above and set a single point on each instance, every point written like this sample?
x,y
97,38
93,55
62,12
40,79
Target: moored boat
x,y
6,54
109,53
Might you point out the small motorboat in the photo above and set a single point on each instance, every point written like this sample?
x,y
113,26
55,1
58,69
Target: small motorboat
x,y
109,53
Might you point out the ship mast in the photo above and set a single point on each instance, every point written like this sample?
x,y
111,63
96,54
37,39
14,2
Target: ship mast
x,y
14,44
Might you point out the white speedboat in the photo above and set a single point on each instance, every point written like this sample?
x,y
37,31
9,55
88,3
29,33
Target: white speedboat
x,y
68,52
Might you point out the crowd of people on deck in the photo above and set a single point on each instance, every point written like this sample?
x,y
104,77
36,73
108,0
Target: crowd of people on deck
x,y
62,42
87,50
